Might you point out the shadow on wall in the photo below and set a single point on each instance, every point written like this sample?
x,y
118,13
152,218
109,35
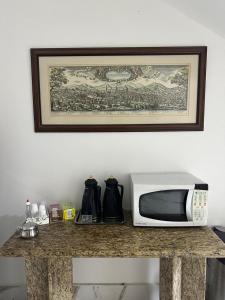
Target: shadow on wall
x,y
8,225
12,269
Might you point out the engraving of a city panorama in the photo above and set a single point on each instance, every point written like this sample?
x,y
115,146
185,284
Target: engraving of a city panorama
x,y
118,88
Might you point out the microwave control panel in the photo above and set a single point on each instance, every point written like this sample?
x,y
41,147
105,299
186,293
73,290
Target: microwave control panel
x,y
199,206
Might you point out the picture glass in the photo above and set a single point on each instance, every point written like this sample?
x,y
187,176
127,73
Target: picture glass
x,y
134,89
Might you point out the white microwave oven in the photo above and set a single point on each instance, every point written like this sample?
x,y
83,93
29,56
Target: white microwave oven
x,y
168,199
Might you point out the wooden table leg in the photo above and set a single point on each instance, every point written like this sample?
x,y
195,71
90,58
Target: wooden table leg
x,y
182,278
49,279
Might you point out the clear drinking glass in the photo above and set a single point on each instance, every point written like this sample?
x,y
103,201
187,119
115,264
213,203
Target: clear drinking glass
x,y
34,210
43,211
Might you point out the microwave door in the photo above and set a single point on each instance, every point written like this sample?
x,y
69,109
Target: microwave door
x,y
166,205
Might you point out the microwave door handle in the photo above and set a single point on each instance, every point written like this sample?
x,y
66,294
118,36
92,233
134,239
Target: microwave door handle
x,y
189,205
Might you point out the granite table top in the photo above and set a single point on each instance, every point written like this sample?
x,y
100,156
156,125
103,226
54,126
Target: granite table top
x,y
118,240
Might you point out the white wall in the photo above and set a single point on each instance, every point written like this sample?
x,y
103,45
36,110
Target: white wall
x,y
53,166
207,12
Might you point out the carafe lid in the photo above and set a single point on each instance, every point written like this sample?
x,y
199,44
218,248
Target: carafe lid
x,y
111,181
91,181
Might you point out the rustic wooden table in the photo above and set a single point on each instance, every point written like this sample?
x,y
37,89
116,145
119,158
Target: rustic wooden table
x,y
182,253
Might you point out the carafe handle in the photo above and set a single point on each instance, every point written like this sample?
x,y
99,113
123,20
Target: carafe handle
x,y
121,191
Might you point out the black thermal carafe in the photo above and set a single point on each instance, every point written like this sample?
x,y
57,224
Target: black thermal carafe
x,y
91,202
112,201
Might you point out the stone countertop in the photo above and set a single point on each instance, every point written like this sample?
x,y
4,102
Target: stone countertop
x,y
68,239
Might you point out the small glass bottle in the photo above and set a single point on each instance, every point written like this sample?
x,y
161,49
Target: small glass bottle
x,y
28,210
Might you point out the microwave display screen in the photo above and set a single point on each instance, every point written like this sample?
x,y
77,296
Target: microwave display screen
x,y
167,205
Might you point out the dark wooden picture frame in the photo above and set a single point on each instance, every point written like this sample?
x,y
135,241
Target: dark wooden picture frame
x,y
115,74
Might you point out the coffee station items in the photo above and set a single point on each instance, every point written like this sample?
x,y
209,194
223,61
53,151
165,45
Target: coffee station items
x,y
112,201
91,212
55,213
28,211
37,214
34,211
91,202
69,211
28,230
43,214
34,215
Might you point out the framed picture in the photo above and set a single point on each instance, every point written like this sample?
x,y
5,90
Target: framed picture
x,y
119,89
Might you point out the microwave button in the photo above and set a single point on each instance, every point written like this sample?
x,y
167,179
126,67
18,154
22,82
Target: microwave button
x,y
198,214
